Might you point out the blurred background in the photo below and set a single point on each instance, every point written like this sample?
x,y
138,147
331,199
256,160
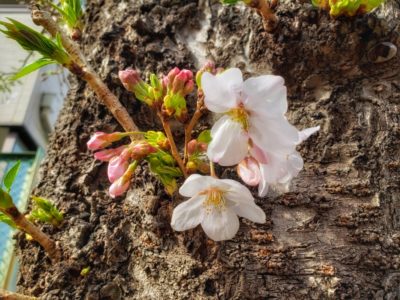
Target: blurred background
x,y
28,111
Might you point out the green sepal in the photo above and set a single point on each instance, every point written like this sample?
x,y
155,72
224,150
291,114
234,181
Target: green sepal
x,y
10,176
156,138
175,104
163,166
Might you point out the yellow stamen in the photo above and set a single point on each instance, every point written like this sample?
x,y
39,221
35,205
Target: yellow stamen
x,y
241,116
215,199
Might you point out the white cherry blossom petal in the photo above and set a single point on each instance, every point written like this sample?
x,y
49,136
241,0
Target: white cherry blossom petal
x,y
194,184
263,188
267,93
275,135
220,225
188,214
250,211
237,192
229,144
222,91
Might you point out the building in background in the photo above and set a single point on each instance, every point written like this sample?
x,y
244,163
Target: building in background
x,y
28,111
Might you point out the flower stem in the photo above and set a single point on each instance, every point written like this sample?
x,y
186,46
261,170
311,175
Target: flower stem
x,y
82,69
170,137
212,170
29,228
189,128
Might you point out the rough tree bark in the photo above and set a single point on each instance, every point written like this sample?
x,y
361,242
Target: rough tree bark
x,y
336,235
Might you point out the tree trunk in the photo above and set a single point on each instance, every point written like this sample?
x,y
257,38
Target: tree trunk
x,y
335,235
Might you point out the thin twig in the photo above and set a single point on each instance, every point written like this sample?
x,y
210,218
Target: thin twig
x,y
170,137
264,8
7,295
189,128
29,228
83,70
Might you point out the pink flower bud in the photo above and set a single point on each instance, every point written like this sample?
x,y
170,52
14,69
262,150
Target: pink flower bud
x,y
248,169
202,147
169,79
175,71
180,81
107,154
129,78
208,67
192,147
187,73
142,149
189,87
118,166
118,187
101,140
195,146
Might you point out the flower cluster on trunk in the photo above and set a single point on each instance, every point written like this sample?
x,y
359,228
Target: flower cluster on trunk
x,y
251,133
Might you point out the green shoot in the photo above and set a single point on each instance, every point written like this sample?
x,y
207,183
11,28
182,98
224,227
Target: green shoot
x,y
31,40
71,12
46,212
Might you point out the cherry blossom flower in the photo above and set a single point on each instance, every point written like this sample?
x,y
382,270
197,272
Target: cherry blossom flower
x,y
216,205
264,168
253,114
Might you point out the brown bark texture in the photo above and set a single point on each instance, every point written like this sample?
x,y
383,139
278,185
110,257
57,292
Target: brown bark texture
x,y
335,235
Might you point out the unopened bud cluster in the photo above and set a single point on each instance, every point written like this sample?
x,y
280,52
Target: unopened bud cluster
x,y
122,160
169,92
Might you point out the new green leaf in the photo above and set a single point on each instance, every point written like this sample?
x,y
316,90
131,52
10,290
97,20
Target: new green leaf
x,y
33,67
11,175
7,220
32,40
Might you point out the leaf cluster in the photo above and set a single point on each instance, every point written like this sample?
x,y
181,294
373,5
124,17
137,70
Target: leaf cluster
x,y
46,212
31,40
71,12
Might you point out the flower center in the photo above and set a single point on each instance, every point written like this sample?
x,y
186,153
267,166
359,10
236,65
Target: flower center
x,y
240,115
215,200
